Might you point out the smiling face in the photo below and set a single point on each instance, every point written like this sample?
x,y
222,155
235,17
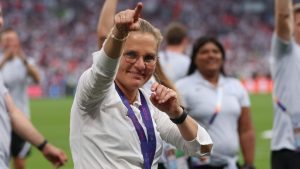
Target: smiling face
x,y
209,59
143,46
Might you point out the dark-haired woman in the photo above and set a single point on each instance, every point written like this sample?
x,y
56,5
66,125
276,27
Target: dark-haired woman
x,y
219,103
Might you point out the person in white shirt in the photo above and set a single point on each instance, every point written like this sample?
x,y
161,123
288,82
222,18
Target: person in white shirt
x,y
114,123
17,82
105,23
220,104
285,69
173,56
13,119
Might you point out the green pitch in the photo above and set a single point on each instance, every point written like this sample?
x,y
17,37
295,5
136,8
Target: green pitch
x,y
51,117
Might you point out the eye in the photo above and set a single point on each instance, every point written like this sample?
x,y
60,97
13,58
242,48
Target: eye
x,y
131,55
149,58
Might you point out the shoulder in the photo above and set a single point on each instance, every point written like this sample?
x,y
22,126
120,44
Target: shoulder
x,y
186,82
233,83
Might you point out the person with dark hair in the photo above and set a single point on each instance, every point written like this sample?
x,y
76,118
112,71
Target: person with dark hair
x,y
12,59
285,70
174,53
114,121
13,119
220,104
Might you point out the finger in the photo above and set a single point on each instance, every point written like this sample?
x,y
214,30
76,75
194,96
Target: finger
x,y
158,91
169,96
137,11
154,86
162,98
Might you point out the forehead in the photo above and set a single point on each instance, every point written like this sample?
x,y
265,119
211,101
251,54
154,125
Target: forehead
x,y
208,45
9,34
141,42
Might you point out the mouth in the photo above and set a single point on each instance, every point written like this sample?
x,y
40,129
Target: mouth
x,y
137,75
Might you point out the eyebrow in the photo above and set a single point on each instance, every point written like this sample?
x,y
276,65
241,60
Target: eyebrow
x,y
137,53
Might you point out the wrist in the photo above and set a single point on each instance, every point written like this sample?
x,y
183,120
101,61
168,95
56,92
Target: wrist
x,y
180,118
42,145
118,35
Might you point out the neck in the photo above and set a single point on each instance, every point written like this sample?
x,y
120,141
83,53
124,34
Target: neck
x,y
176,48
130,94
212,77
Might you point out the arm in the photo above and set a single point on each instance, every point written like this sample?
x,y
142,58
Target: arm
x,y
125,22
166,100
32,70
283,19
23,127
247,136
106,20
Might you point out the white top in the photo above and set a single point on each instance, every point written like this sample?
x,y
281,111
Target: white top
x,y
200,98
174,65
102,136
285,69
17,79
5,129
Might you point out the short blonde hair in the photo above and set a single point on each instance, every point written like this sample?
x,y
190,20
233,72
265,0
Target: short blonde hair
x,y
146,27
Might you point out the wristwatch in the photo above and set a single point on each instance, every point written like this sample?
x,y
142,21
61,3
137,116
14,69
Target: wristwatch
x,y
180,119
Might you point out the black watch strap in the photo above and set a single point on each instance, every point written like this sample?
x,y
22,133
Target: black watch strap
x,y
180,119
42,145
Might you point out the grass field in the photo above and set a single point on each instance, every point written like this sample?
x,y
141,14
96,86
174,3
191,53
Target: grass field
x,y
51,117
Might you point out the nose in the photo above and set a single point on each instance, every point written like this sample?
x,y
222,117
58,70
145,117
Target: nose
x,y
140,63
211,54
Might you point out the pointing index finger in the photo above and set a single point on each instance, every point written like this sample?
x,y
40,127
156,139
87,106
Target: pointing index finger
x,y
137,11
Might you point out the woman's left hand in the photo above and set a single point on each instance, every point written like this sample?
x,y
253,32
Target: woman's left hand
x,y
165,100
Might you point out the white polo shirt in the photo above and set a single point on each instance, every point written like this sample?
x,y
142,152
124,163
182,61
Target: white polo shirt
x,y
102,136
285,69
174,65
200,98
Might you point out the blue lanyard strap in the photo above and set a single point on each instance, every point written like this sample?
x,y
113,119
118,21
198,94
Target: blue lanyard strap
x,y
148,147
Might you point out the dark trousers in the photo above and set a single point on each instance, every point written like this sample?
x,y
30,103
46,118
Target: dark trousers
x,y
285,159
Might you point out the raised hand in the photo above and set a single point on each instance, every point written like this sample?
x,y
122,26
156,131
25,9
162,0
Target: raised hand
x,y
126,21
165,100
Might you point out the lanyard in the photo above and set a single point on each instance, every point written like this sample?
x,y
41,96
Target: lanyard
x,y
148,147
280,105
218,105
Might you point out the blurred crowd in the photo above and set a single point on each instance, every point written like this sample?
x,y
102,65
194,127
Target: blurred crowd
x,y
61,34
